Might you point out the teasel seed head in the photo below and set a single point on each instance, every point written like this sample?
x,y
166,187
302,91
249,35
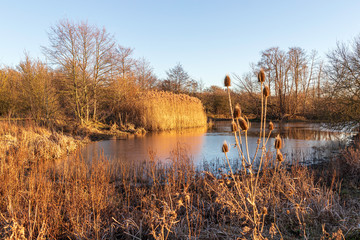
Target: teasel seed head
x,y
243,124
271,126
261,75
237,111
264,211
279,155
266,91
225,147
227,81
278,142
234,127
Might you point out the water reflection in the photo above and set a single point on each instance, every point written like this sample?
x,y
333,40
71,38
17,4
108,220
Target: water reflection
x,y
137,148
302,141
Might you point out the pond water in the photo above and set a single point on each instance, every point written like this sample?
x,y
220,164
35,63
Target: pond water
x,y
303,142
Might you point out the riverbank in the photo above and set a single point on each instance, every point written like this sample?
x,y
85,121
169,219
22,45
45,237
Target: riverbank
x,y
72,198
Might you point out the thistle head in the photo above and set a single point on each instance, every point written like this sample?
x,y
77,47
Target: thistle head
x,y
278,142
227,81
237,111
266,91
261,75
271,126
243,124
225,147
234,127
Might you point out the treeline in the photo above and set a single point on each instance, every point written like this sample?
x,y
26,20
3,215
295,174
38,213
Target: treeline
x,y
302,85
90,77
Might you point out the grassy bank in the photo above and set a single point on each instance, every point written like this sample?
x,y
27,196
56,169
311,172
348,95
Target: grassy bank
x,y
43,198
157,110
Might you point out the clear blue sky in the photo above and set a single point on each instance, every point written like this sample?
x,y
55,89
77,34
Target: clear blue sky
x,y
209,38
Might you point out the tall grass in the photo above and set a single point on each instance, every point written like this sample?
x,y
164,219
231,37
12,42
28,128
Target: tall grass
x,y
71,198
157,110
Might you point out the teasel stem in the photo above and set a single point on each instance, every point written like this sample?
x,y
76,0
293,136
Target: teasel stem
x,y
261,123
240,152
240,140
263,150
247,151
268,137
264,123
236,185
231,110
227,84
262,113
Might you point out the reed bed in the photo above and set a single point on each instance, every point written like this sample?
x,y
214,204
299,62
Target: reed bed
x,y
72,198
158,110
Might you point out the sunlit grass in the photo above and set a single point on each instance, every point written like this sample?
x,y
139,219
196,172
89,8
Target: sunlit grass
x,y
157,110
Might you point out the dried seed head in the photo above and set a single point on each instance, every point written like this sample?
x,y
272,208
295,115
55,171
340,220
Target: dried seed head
x,y
243,124
279,155
271,126
264,211
278,142
225,147
187,197
266,91
234,127
237,111
179,203
261,75
227,81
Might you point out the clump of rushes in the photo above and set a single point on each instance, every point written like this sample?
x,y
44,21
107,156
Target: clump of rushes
x,y
243,124
225,147
278,142
234,127
266,91
271,126
261,76
227,81
237,111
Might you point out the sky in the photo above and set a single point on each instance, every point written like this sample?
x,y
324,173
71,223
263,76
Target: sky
x,y
209,38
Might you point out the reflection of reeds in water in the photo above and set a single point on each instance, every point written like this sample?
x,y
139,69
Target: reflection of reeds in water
x,y
164,142
157,110
309,131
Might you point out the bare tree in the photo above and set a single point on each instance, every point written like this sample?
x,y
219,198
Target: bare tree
x,y
274,61
38,95
145,76
83,52
178,80
344,74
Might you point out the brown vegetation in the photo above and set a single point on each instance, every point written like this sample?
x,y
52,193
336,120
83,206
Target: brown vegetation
x,y
41,197
158,110
73,198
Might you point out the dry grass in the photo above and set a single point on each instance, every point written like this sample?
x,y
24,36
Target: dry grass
x,y
46,194
177,202
41,198
156,110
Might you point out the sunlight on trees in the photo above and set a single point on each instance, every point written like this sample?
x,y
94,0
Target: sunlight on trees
x,y
344,74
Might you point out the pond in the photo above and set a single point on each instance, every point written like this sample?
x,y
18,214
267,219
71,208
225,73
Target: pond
x,y
303,142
